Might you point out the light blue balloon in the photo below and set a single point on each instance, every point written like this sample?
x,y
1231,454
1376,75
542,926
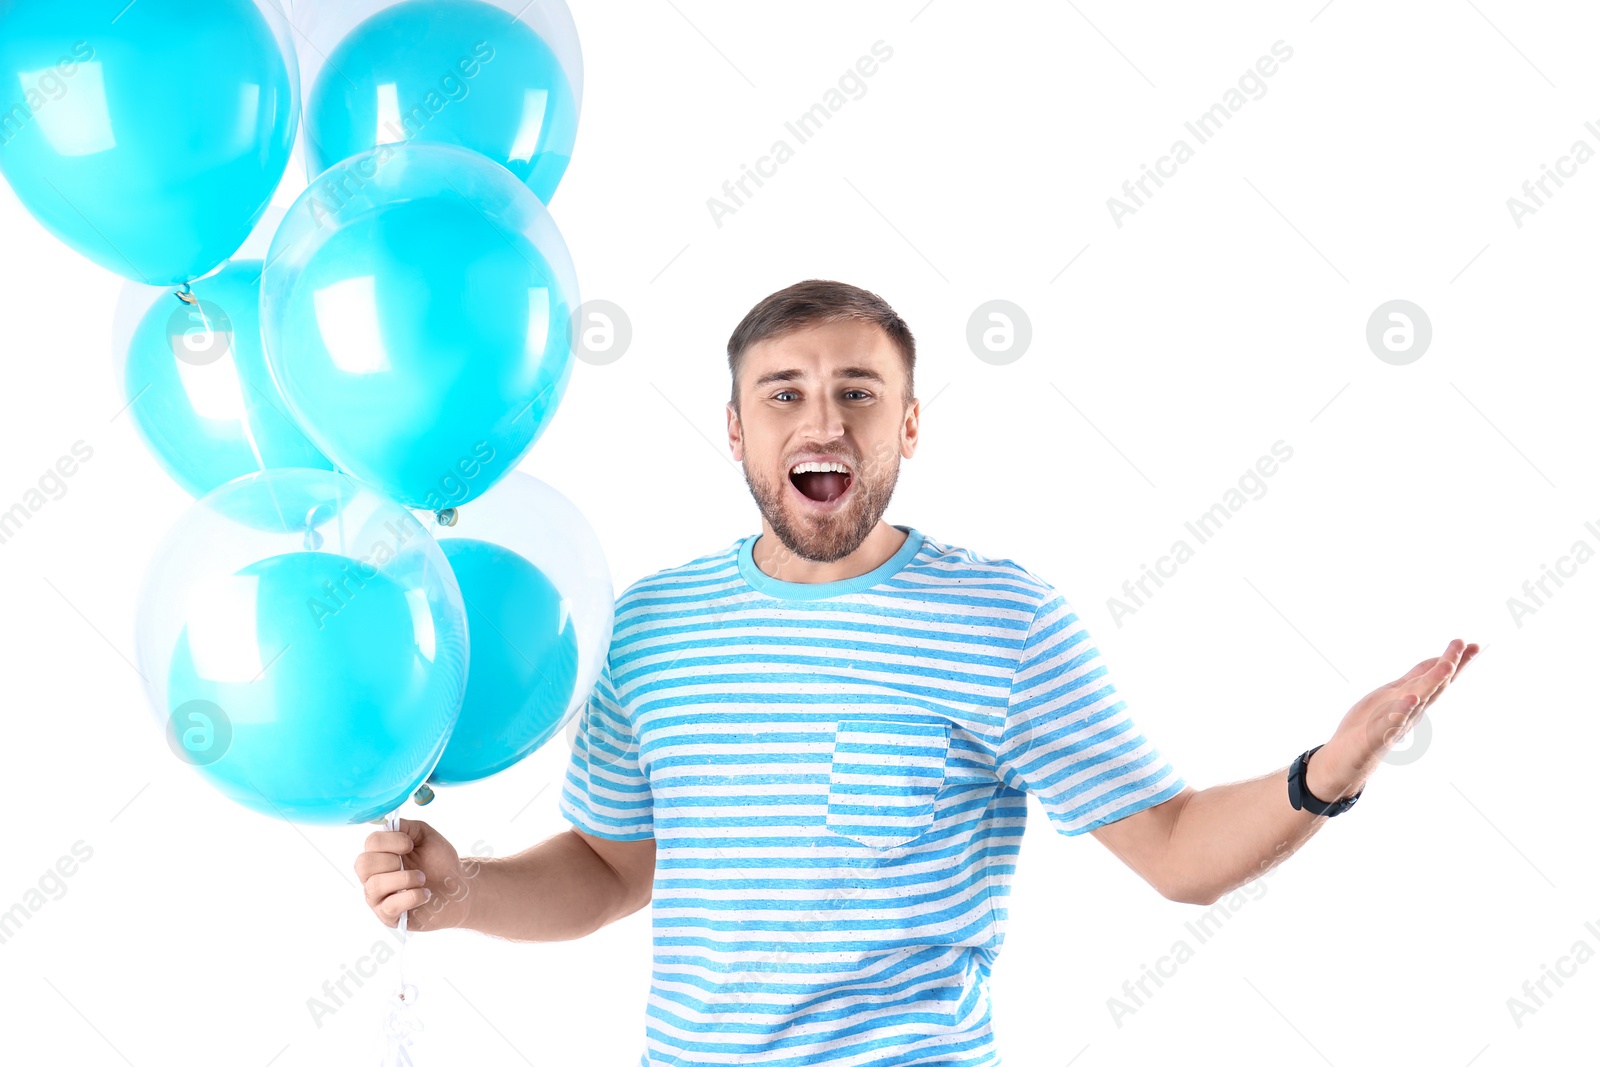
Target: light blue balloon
x,y
459,72
416,313
312,667
149,136
524,661
198,388
341,726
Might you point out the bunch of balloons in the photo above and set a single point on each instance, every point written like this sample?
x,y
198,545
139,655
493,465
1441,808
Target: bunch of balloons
x,y
366,594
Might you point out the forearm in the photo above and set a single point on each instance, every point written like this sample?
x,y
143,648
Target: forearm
x,y
1231,834
558,890
1202,844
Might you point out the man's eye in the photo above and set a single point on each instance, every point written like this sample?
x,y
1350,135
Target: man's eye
x,y
859,392
785,392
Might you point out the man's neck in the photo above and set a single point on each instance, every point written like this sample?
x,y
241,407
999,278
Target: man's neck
x,y
774,559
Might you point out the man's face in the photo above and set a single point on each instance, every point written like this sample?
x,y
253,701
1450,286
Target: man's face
x,y
828,395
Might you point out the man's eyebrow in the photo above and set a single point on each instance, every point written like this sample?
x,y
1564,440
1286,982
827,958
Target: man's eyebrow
x,y
858,373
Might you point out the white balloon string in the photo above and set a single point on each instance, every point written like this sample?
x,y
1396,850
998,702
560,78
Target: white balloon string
x,y
400,1021
392,822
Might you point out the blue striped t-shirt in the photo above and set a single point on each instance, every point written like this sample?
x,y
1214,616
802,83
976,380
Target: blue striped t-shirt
x,y
834,774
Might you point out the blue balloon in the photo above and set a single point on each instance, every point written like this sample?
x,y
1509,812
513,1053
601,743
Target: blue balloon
x,y
524,661
311,670
416,312
459,72
149,136
336,727
198,387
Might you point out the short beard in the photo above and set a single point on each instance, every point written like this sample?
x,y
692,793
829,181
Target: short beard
x,y
836,537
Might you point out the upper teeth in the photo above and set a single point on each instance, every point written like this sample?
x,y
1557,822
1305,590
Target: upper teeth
x,y
818,468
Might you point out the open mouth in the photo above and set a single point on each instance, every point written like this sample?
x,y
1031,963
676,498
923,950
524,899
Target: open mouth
x,y
822,482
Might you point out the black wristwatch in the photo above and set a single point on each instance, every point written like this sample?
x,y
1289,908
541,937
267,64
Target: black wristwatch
x,y
1302,799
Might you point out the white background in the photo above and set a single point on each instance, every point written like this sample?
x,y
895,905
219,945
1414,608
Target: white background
x,y
1225,315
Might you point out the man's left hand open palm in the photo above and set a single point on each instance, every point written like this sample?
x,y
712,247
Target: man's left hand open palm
x,y
1383,717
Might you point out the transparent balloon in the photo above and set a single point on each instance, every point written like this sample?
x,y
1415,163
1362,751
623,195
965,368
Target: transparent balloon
x,y
196,384
501,78
150,136
539,602
416,313
311,667
194,376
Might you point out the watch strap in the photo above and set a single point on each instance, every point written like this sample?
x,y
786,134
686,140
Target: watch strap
x,y
1302,799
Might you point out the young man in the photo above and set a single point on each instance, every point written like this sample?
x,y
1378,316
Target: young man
x,y
809,751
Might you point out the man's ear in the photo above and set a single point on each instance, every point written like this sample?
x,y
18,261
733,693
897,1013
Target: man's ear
x,y
909,430
735,433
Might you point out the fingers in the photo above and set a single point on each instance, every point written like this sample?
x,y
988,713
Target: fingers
x,y
381,886
1441,671
1444,670
371,863
390,887
1464,657
392,892
397,842
1453,656
391,907
1421,667
1392,711
383,851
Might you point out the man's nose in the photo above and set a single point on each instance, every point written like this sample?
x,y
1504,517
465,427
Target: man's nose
x,y
824,419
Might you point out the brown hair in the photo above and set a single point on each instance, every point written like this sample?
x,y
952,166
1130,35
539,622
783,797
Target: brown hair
x,y
818,303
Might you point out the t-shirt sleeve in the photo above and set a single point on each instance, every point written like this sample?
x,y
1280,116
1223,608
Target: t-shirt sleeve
x,y
605,793
1068,737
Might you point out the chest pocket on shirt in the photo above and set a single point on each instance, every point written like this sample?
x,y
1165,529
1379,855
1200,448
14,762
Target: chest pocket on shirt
x,y
884,779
